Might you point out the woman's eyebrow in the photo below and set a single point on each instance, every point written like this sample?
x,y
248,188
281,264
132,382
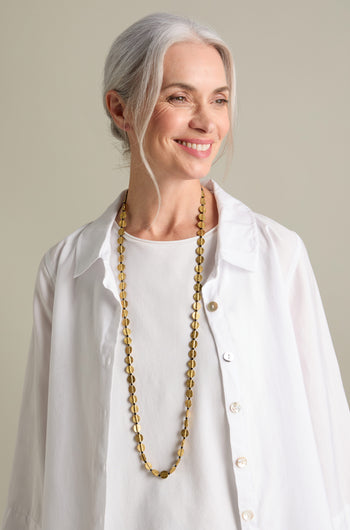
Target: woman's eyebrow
x,y
185,86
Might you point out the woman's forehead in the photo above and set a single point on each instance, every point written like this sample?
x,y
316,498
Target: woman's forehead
x,y
188,62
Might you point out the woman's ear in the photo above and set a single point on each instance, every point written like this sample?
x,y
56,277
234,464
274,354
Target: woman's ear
x,y
116,107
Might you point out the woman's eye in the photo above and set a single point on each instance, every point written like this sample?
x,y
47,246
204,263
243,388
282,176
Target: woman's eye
x,y
221,101
181,99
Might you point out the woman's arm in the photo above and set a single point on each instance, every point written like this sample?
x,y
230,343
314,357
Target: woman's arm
x,y
26,486
328,406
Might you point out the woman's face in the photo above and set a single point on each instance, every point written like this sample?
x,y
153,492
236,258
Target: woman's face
x,y
191,117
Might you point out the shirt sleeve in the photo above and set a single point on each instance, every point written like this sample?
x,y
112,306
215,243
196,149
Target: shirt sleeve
x,y
26,485
329,410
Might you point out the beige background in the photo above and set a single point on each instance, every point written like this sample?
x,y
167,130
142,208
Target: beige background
x,y
60,169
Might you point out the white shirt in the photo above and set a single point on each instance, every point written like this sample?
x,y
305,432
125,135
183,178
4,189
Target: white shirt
x,y
160,298
277,363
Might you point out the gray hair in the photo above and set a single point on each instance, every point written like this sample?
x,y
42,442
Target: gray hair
x,y
134,69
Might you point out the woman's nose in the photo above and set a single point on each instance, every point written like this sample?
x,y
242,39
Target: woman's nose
x,y
202,120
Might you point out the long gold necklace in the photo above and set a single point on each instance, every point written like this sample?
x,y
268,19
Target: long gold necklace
x,y
193,342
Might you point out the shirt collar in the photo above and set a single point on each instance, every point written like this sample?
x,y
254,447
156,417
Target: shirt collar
x,y
237,229
237,233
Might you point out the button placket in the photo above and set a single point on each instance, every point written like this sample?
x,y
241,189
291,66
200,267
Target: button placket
x,y
238,429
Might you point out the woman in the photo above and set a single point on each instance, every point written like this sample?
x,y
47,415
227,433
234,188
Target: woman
x,y
180,336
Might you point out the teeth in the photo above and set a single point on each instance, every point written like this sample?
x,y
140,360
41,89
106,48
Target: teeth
x,y
198,147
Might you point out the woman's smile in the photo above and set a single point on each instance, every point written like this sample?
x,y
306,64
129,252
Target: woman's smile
x,y
198,148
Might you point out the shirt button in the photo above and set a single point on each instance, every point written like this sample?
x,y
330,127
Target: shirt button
x,y
241,461
235,407
247,515
212,306
228,356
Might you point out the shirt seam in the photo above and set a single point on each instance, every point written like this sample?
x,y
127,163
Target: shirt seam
x,y
295,261
46,267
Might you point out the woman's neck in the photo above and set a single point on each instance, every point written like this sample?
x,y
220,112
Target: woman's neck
x,y
177,217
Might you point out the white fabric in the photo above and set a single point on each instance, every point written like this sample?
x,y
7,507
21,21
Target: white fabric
x,y
294,424
160,296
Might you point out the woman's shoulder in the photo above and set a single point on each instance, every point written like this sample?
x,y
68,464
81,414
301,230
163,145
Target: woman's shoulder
x,y
264,233
77,251
277,241
274,231
62,252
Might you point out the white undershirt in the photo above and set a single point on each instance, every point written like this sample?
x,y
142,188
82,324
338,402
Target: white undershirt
x,y
201,493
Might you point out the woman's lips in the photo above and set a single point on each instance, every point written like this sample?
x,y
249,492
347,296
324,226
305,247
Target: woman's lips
x,y
198,148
